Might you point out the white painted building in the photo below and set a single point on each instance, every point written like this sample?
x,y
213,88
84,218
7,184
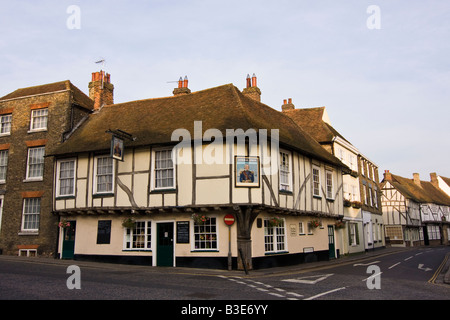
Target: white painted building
x,y
285,209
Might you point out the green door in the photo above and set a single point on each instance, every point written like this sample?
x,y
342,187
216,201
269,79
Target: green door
x,y
164,245
331,246
68,246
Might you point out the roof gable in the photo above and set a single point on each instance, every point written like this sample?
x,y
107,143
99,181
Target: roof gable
x,y
425,193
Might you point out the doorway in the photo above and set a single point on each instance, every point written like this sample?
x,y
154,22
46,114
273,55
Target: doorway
x,y
164,245
331,244
68,244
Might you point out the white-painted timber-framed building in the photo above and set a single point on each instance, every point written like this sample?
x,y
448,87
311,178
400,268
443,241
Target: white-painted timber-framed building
x,y
285,213
415,212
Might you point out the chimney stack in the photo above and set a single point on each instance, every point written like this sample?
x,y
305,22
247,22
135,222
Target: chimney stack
x,y
252,91
101,90
182,87
387,175
287,105
416,179
434,180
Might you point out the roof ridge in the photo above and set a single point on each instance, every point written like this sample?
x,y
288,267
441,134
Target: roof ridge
x,y
169,97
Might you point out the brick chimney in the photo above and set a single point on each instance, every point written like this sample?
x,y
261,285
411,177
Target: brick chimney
x,y
182,87
434,179
287,105
101,90
252,91
387,175
416,179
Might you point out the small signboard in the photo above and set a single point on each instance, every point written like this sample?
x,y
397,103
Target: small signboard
x,y
117,148
182,231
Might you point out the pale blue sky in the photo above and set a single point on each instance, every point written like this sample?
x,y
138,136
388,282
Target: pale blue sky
x,y
387,91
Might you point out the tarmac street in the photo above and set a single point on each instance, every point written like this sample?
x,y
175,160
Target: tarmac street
x,y
386,274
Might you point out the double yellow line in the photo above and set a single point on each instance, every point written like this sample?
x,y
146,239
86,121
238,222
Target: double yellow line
x,y
436,274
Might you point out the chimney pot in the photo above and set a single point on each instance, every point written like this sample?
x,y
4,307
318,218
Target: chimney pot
x,y
254,80
288,105
182,87
252,91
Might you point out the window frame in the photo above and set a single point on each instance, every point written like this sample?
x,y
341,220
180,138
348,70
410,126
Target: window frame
x,y
4,166
153,186
128,236
34,117
274,237
194,232
37,178
3,116
317,168
288,185
27,215
58,177
329,193
113,176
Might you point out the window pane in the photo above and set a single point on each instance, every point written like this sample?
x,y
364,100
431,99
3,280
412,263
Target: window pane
x,y
31,211
163,169
36,162
66,177
104,174
205,236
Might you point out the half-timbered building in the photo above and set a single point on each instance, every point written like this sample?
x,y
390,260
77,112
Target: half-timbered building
x,y
183,169
415,212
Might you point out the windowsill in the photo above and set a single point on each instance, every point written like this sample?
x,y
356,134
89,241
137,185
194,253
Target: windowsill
x,y
286,192
275,253
317,197
65,197
28,233
167,190
137,250
206,250
5,134
36,130
330,199
103,195
33,180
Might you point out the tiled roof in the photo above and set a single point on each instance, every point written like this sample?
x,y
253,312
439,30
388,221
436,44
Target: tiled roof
x,y
311,120
79,97
153,121
425,193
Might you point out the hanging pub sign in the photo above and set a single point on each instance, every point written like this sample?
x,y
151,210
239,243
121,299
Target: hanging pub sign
x,y
247,171
117,148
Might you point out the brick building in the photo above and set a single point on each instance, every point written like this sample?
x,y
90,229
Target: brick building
x,y
33,120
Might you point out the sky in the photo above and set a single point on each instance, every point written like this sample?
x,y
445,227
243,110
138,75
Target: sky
x,y
381,67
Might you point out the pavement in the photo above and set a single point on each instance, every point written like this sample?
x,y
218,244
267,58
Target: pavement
x,y
443,277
